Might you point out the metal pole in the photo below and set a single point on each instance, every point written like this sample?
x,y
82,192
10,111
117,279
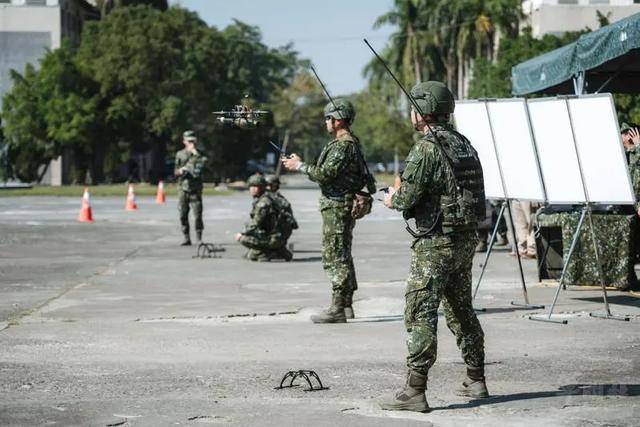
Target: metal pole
x,y
491,242
607,314
565,267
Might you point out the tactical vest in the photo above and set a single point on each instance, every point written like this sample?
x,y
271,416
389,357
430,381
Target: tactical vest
x,y
463,204
353,177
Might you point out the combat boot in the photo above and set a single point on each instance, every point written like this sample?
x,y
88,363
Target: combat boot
x,y
285,254
411,397
186,241
474,385
348,306
198,237
334,314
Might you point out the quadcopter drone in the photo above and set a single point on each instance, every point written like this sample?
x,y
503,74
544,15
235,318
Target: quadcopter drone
x,y
243,117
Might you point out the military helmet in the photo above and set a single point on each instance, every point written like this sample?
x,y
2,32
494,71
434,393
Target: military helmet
x,y
256,181
272,179
433,98
342,110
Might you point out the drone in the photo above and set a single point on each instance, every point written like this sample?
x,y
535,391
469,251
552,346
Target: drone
x,y
243,117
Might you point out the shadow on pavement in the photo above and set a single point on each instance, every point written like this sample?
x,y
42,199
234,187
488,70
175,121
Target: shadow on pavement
x,y
604,390
308,259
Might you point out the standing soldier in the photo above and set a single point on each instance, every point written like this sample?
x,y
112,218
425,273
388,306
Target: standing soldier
x,y
442,188
341,173
189,168
262,236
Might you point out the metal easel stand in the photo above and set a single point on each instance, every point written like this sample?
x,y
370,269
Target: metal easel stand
x,y
505,204
586,212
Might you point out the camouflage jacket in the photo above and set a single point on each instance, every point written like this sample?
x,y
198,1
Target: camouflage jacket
x,y
264,216
634,172
428,179
285,213
191,180
340,170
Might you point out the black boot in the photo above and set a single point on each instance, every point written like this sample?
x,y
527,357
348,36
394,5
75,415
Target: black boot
x,y
348,306
474,385
411,397
334,314
199,236
186,241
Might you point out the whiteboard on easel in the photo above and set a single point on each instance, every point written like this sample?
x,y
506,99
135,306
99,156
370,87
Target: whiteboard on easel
x,y
559,165
602,158
516,149
472,121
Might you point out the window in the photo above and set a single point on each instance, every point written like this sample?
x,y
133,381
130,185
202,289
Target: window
x,y
598,1
36,2
567,1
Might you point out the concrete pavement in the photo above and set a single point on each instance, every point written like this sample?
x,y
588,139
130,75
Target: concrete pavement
x,y
113,324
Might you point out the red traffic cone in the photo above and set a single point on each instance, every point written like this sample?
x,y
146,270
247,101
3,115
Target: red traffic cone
x,y
85,210
160,196
131,200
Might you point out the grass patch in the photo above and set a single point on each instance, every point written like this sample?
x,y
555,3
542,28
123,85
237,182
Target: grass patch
x,y
108,190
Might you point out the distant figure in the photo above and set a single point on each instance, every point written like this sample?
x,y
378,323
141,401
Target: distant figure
x,y
262,236
189,167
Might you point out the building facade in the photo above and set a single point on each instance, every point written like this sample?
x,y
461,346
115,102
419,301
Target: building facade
x,y
557,17
28,28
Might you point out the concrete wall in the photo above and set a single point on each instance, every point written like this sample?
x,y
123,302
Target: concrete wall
x,y
558,16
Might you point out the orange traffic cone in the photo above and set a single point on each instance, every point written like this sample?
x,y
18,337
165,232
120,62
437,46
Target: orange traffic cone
x,y
131,200
160,196
85,210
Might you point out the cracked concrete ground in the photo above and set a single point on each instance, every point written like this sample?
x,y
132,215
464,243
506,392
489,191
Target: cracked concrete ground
x,y
113,324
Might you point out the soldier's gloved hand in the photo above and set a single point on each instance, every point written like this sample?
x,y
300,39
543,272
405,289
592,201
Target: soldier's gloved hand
x,y
635,136
292,162
388,196
238,237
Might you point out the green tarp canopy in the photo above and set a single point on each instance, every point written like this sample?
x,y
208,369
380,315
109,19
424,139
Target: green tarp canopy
x,y
606,59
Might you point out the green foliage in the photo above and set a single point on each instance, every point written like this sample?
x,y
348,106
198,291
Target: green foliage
x,y
493,80
140,78
381,127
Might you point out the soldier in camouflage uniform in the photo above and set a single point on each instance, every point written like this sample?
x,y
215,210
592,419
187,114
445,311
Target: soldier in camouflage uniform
x,y
286,221
631,141
262,235
341,173
442,189
189,167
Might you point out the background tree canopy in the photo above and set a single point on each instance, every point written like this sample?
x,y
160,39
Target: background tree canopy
x,y
146,72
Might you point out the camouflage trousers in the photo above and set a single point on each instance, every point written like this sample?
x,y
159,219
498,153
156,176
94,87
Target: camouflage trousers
x,y
191,200
441,272
337,236
263,245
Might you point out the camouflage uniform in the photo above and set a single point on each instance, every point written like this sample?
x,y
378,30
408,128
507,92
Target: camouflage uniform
x,y
339,173
262,235
441,261
286,221
616,246
190,189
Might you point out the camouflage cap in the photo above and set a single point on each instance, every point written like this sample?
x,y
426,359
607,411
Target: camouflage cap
x,y
256,181
340,109
272,179
624,127
433,98
189,135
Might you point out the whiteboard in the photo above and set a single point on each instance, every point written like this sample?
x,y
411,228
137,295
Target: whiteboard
x,y
516,149
472,121
559,165
602,158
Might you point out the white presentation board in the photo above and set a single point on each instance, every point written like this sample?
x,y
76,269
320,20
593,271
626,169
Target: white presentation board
x,y
472,121
602,158
558,158
516,149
